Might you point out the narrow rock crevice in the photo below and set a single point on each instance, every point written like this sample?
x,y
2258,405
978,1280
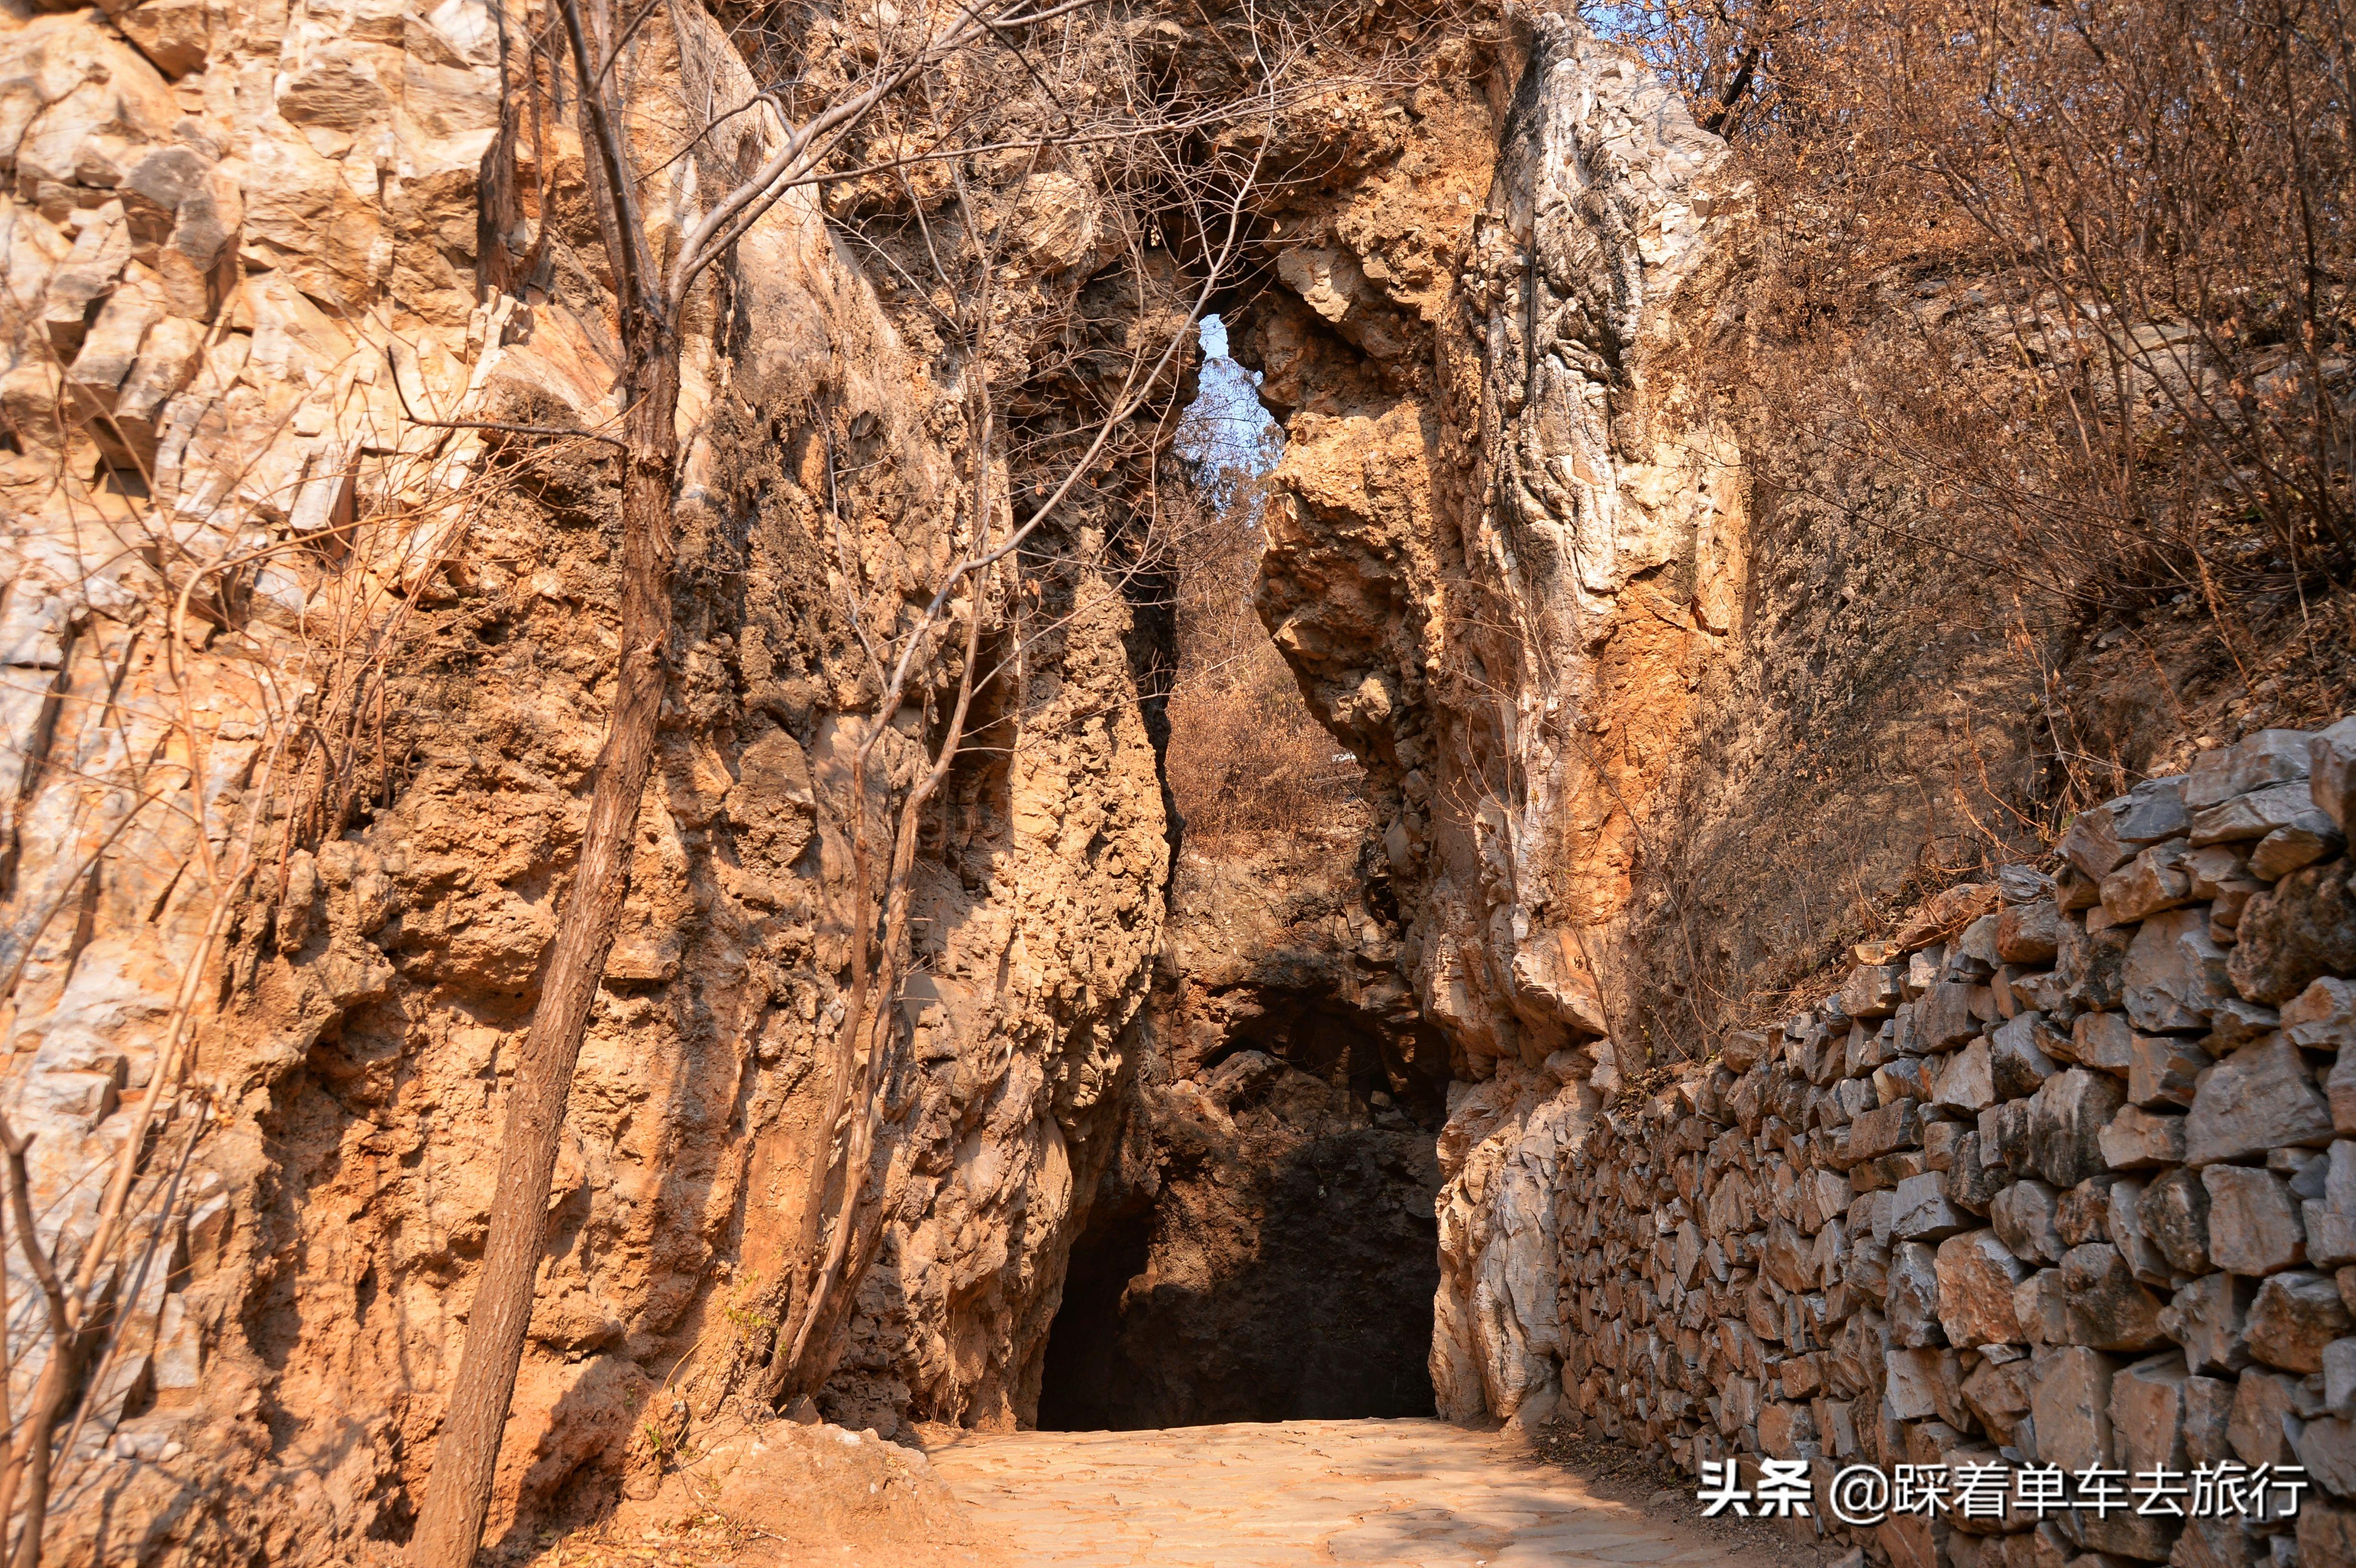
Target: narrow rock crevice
x,y
1264,1248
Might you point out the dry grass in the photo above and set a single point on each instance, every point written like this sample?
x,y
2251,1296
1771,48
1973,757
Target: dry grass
x,y
2109,237
1247,756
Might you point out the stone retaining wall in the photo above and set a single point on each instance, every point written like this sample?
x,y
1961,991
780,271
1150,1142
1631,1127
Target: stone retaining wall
x,y
2068,1178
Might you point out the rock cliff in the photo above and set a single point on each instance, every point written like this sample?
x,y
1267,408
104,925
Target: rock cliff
x,y
306,658
1502,570
304,677
1651,740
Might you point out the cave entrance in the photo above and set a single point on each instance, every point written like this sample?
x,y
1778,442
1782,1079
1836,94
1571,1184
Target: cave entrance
x,y
1278,1260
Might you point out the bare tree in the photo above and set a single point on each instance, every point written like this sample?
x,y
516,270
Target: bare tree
x,y
840,1227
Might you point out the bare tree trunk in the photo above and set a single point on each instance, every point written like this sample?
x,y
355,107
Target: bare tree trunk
x,y
460,1494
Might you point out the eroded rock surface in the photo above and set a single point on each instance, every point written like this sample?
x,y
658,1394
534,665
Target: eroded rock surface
x,y
1263,1248
244,262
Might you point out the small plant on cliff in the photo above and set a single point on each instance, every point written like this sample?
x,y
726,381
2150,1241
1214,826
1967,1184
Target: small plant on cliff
x,y
1247,756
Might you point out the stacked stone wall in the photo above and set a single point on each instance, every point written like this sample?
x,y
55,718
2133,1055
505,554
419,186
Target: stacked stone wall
x,y
2067,1178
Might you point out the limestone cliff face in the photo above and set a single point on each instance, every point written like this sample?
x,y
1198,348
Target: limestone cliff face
x,y
1534,539
301,696
1498,573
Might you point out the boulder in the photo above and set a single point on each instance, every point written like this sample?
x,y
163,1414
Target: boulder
x,y
2148,1413
2156,880
1786,1259
2216,868
2264,1407
1996,1394
1884,1130
2175,975
2208,1318
2330,1219
1972,1182
2208,1407
1921,1212
1978,945
1911,1383
1977,1275
2038,1305
2236,1023
2257,1099
2137,1139
2150,812
2070,1401
2103,1040
2144,1260
2093,845
2116,1537
1913,1296
2004,1137
2023,1216
2295,1315
2327,1532
1939,1142
1873,990
1966,1083
2339,1377
2301,930
2017,1061
1912,1541
2331,783
2107,1308
2257,760
2253,1222
2029,933
1787,1431
2164,1069
2173,1213
2302,843
1944,1017
2327,1449
2214,1542
1904,1078
2067,1117
2322,1017
2257,814
2085,1212
2090,967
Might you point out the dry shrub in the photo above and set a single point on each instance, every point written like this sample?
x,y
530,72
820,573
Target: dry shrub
x,y
1247,757
2078,273
2044,367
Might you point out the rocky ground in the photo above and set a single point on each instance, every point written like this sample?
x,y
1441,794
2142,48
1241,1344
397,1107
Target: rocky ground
x,y
1404,1494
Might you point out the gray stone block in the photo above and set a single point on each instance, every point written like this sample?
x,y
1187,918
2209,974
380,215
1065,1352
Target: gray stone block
x,y
2067,1117
2175,975
2254,1223
2259,1098
2295,1317
2208,1317
2070,1399
2174,1216
2107,1308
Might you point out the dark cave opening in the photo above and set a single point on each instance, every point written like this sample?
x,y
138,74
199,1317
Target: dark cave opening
x,y
1276,1257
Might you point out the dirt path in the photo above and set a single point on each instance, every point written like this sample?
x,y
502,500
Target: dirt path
x,y
1399,1493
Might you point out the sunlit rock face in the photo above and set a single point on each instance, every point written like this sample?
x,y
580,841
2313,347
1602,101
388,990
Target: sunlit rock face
x,y
1501,554
250,257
